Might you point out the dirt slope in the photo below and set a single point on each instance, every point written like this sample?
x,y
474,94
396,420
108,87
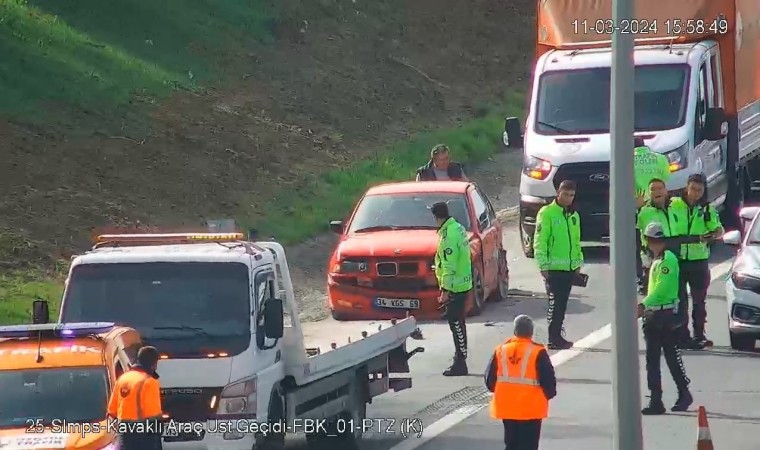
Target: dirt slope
x,y
341,77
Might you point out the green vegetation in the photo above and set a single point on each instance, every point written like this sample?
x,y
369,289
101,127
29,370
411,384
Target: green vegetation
x,y
92,55
330,195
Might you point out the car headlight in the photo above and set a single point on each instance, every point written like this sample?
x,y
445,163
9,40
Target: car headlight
x,y
678,158
351,266
745,281
537,168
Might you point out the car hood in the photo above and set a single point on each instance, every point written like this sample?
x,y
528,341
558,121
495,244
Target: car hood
x,y
748,261
395,243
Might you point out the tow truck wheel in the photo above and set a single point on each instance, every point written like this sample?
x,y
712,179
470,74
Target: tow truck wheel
x,y
345,431
478,293
273,441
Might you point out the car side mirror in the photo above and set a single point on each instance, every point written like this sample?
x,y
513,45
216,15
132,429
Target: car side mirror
x,y
336,226
513,133
716,126
40,311
274,323
732,237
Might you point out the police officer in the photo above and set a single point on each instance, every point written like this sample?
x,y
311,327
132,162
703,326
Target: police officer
x,y
557,250
453,269
647,165
697,219
659,311
440,167
521,377
136,404
654,210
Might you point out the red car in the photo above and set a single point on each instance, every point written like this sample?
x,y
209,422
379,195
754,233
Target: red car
x,y
382,268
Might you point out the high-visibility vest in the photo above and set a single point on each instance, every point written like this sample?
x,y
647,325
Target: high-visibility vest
x,y
136,396
518,394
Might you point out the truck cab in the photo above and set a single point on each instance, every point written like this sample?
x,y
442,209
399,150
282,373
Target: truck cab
x,y
683,99
55,382
222,313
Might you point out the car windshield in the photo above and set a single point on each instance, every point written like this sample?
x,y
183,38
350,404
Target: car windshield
x,y
38,396
179,307
578,101
754,234
405,211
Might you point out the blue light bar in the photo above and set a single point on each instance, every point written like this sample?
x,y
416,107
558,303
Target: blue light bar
x,y
74,329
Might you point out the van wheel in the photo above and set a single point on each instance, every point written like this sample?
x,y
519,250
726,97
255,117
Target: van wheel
x,y
478,293
742,343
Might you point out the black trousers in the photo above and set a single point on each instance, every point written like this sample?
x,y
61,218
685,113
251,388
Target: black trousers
x,y
695,275
522,434
455,314
660,336
558,286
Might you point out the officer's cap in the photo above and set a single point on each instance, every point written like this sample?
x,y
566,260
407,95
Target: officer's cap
x,y
654,231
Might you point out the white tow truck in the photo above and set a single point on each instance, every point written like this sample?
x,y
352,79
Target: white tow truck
x,y
222,312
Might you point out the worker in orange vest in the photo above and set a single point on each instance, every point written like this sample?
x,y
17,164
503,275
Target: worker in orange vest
x,y
136,404
521,377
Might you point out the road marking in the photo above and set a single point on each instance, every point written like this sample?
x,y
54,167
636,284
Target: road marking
x,y
461,414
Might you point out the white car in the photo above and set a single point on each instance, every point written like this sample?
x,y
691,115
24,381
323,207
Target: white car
x,y
743,286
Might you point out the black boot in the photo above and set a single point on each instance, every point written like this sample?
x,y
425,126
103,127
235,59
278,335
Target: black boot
x,y
655,406
558,341
684,400
458,368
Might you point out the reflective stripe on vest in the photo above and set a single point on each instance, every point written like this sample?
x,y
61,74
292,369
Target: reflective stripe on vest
x,y
522,379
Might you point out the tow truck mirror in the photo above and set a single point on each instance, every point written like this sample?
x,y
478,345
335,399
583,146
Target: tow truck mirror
x,y
336,226
513,133
273,319
40,311
716,127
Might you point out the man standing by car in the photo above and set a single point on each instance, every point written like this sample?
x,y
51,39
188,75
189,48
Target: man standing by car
x,y
647,165
440,167
696,217
453,269
557,249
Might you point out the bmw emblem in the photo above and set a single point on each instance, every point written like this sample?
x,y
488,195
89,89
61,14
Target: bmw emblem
x,y
362,267
397,251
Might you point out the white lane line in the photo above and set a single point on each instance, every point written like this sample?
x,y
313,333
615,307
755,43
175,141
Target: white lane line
x,y
460,414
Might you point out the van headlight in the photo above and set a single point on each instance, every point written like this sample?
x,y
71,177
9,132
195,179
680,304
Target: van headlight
x,y
678,158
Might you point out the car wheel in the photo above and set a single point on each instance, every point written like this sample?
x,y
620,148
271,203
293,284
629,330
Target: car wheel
x,y
478,293
527,242
338,316
741,342
503,288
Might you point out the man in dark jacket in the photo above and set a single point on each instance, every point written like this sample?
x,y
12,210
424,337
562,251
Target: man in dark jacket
x,y
521,377
440,167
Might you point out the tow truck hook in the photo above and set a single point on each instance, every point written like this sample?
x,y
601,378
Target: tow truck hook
x,y
414,352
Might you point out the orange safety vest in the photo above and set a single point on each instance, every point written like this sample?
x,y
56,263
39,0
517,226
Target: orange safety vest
x,y
136,396
518,394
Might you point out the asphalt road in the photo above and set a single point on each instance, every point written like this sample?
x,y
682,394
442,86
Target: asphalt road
x,y
453,412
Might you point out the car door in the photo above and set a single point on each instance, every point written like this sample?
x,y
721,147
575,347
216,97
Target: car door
x,y
485,229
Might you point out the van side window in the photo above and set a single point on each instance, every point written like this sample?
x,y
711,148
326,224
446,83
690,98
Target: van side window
x,y
701,109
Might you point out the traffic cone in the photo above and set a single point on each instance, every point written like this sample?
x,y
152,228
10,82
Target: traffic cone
x,y
704,440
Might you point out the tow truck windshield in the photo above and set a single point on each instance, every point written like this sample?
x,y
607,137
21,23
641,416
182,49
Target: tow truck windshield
x,y
578,101
405,212
35,397
183,308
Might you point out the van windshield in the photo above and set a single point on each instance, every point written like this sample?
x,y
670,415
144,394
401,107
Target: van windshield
x,y
39,396
578,101
182,308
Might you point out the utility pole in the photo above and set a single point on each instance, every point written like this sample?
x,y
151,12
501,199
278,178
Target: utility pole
x,y
626,393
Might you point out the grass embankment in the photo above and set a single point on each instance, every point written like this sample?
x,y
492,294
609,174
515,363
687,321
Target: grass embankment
x,y
95,56
331,195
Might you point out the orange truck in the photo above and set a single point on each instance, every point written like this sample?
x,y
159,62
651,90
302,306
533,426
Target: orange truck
x,y
55,381
696,94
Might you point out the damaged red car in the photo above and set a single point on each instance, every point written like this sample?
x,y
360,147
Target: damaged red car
x,y
382,267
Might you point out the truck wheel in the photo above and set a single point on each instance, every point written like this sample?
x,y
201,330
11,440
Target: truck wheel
x,y
478,293
526,240
273,441
742,343
346,431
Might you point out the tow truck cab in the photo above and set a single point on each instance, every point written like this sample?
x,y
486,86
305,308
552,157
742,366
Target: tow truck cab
x,y
212,304
55,382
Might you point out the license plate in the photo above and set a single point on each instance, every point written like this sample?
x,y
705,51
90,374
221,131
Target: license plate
x,y
401,303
